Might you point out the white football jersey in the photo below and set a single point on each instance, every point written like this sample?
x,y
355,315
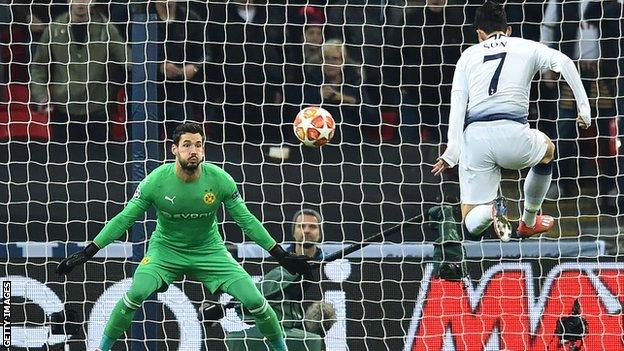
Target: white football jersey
x,y
497,74
492,82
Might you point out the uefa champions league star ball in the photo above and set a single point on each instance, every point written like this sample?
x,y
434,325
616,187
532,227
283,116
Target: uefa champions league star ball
x,y
314,126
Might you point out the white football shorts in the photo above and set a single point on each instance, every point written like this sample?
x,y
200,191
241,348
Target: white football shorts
x,y
489,146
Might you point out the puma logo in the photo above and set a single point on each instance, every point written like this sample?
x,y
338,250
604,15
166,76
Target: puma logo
x,y
170,199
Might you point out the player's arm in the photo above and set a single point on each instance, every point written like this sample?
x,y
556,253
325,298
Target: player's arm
x,y
556,61
252,227
114,229
457,115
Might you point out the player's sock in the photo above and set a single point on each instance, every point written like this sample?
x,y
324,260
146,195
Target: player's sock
x,y
106,343
118,323
143,285
245,291
267,322
279,345
535,188
478,219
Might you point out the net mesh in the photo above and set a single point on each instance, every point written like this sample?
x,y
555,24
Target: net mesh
x,y
91,93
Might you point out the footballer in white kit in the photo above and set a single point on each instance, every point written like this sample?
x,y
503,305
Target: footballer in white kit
x,y
488,127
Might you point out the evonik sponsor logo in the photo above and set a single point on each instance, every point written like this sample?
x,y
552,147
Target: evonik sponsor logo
x,y
186,215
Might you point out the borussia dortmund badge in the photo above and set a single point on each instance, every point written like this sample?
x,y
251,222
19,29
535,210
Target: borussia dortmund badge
x,y
209,198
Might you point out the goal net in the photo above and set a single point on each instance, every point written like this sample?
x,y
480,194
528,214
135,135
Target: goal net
x,y
91,92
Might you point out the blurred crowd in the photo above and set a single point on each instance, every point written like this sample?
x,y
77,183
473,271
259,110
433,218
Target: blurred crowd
x,y
246,67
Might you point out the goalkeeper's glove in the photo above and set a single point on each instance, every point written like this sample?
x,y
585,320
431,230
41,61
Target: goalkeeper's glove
x,y
294,264
68,264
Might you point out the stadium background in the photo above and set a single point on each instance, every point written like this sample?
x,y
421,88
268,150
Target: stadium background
x,y
64,191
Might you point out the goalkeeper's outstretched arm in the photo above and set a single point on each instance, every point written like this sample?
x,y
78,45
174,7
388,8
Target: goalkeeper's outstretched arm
x,y
252,227
114,229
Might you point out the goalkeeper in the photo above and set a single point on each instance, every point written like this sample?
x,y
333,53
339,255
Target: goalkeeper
x,y
187,195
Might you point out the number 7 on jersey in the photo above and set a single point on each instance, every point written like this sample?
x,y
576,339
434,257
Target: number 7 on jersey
x,y
494,81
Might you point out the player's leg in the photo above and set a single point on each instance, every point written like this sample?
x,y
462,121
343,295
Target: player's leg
x,y
157,270
218,270
479,178
143,285
245,291
535,188
478,218
534,149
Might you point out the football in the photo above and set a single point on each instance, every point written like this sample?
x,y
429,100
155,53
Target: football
x,y
314,126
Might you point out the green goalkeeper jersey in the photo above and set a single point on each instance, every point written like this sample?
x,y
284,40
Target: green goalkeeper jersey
x,y
186,212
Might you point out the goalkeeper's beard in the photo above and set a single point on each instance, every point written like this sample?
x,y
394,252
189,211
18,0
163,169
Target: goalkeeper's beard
x,y
189,167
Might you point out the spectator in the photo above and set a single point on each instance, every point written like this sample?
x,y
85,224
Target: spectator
x,y
312,43
373,36
434,36
183,50
285,293
17,37
304,44
247,44
579,30
336,85
118,13
306,37
306,230
71,70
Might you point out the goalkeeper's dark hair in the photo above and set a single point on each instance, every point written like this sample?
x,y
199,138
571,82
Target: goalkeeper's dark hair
x,y
309,212
491,17
188,127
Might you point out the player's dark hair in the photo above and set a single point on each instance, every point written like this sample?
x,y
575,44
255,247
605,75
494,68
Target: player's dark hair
x,y
309,212
188,127
491,17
